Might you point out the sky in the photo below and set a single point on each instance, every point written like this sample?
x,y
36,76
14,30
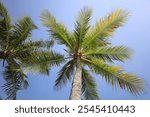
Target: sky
x,y
135,34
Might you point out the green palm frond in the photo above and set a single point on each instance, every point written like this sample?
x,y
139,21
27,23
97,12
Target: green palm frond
x,y
22,31
65,74
115,76
42,61
119,53
105,28
131,82
15,80
89,88
39,44
5,26
28,48
82,24
48,19
73,42
57,30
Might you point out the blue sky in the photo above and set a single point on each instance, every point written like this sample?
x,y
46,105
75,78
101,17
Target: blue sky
x,y
135,34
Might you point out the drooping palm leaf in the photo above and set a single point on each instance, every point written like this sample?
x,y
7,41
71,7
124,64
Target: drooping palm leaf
x,y
28,48
42,61
89,88
65,74
15,80
115,76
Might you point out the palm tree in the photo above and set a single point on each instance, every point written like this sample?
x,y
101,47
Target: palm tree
x,y
89,50
18,52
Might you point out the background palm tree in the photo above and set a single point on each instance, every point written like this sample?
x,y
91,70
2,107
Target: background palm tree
x,y
89,50
18,52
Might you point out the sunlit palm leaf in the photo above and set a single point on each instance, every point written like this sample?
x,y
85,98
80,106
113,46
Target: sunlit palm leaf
x,y
117,77
57,30
105,28
119,53
89,88
82,24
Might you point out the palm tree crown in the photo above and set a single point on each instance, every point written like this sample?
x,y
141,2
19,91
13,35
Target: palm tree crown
x,y
89,50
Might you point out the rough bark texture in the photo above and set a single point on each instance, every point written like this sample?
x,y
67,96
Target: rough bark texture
x,y
77,83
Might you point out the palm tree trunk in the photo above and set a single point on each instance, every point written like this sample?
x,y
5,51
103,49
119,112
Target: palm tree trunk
x,y
77,83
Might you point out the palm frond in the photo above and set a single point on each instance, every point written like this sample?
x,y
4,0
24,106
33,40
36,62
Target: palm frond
x,y
42,61
119,53
22,31
48,19
73,42
28,48
5,23
57,30
82,24
5,26
105,28
65,74
39,44
89,88
15,80
115,76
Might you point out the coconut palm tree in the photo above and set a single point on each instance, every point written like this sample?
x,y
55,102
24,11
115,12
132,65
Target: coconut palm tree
x,y
89,50
18,52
